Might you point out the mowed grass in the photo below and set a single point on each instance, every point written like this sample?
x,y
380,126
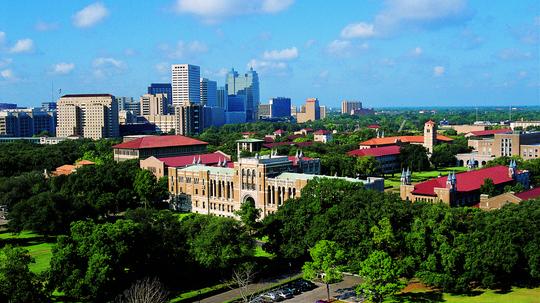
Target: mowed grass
x,y
38,247
416,177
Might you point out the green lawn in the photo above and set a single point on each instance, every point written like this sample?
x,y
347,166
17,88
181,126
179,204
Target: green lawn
x,y
516,295
39,248
395,181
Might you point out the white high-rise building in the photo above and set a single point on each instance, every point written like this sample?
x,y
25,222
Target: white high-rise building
x,y
208,92
185,84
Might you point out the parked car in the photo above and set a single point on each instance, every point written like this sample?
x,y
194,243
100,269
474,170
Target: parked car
x,y
304,285
272,297
258,299
285,293
294,289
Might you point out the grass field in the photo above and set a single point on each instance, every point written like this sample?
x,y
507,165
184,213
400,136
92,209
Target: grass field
x,y
39,247
395,181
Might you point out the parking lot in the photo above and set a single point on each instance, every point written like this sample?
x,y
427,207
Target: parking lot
x,y
343,291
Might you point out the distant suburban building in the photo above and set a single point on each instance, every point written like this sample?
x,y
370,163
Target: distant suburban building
x,y
245,85
186,86
347,107
88,115
462,189
428,140
323,136
267,181
387,156
487,133
524,124
153,104
159,166
158,146
68,169
465,128
208,92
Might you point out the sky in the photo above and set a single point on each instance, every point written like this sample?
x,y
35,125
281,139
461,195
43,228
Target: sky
x,y
383,53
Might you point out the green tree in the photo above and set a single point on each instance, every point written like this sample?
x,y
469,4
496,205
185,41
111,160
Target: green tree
x,y
488,188
443,156
380,277
17,283
249,215
326,265
367,166
150,190
414,156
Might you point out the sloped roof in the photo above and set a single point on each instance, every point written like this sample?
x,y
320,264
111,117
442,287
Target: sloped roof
x,y
206,159
405,139
529,194
159,141
376,151
465,181
490,132
322,132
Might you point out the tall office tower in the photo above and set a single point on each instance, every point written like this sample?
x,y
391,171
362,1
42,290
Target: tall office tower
x,y
222,96
185,84
88,115
48,106
235,109
8,106
26,122
311,111
348,107
153,104
247,85
322,110
208,92
129,104
162,88
280,107
189,119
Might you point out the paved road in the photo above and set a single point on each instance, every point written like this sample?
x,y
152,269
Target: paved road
x,y
343,290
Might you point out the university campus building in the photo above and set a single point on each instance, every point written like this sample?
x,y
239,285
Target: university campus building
x,y
268,181
142,147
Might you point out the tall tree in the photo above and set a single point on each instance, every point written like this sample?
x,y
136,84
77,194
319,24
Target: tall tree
x,y
380,277
326,265
249,215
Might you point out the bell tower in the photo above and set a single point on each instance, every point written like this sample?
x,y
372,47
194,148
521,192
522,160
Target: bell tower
x,y
430,135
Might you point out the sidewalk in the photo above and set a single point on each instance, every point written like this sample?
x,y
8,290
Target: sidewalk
x,y
235,293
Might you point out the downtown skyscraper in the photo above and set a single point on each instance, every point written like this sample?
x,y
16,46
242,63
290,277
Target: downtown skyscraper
x,y
245,85
185,84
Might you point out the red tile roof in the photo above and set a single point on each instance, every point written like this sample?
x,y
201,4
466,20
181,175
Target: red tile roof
x,y
376,151
466,181
206,159
529,194
276,144
430,122
322,132
490,132
374,126
295,160
404,139
159,141
279,132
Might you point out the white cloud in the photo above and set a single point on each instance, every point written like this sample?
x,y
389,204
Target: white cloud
x,y
266,67
90,15
108,62
45,26
417,51
63,68
5,62
358,30
438,71
345,48
213,74
184,49
284,54
22,46
216,10
7,74
2,37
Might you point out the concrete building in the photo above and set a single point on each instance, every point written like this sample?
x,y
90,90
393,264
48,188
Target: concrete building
x,y
348,107
143,147
185,84
497,202
268,181
153,104
159,166
190,119
164,123
387,156
48,106
248,144
222,94
265,111
92,116
524,124
465,128
162,88
208,92
311,111
323,136
248,86
462,189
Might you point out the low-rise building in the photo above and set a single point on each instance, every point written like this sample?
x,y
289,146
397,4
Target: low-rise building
x,y
159,147
462,189
68,169
159,166
496,202
323,136
267,181
387,156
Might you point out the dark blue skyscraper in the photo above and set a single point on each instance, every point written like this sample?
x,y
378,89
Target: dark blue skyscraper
x,y
280,107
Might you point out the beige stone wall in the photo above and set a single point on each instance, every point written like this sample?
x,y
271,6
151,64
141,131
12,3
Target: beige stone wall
x,y
154,165
497,202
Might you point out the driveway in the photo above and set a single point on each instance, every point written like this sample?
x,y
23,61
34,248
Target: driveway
x,y
343,291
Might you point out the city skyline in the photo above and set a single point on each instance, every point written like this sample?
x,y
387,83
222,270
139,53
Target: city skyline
x,y
399,53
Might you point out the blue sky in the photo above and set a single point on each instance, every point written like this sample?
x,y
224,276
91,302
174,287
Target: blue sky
x,y
384,53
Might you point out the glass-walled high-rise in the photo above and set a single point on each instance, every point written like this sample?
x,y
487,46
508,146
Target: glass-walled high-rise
x,y
246,85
